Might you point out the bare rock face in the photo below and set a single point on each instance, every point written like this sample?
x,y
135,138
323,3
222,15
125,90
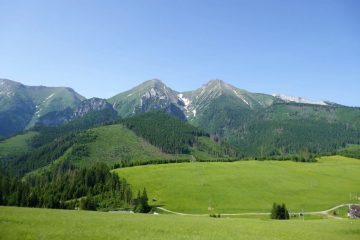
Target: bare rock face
x,y
91,105
85,107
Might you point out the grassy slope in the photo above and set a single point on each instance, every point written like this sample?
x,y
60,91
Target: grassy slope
x,y
115,143
248,186
206,149
16,145
25,223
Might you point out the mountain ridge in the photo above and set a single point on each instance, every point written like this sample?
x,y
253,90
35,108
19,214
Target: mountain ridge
x,y
256,124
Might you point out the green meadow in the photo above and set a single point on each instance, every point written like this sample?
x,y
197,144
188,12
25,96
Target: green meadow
x,y
26,223
248,186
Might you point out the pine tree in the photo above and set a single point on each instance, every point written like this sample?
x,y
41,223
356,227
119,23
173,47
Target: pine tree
x,y
144,202
279,212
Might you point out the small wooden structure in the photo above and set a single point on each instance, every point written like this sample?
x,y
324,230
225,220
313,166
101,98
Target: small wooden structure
x,y
354,211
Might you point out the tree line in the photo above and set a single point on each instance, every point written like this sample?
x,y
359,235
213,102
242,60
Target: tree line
x,y
70,187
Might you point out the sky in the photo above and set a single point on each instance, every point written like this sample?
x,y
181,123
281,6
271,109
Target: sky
x,y
308,48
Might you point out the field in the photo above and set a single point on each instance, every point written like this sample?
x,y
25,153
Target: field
x,y
248,186
26,223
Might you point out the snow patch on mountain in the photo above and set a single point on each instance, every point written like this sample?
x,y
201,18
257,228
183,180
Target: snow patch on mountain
x,y
287,98
241,97
194,112
50,96
184,100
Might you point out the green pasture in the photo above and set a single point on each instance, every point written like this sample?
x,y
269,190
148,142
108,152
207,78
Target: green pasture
x,y
248,186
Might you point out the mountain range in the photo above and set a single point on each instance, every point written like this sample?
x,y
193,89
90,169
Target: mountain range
x,y
255,124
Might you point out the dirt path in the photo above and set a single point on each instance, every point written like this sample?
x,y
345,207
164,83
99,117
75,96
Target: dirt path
x,y
324,212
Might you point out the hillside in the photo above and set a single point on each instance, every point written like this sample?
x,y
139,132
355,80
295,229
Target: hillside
x,y
174,136
87,140
285,129
140,139
42,145
115,144
17,145
248,186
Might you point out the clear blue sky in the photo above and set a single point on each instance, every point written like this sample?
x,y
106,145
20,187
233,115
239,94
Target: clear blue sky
x,y
100,48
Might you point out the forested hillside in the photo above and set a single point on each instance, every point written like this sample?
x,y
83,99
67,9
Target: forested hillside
x,y
68,187
174,136
168,133
42,145
154,137
283,129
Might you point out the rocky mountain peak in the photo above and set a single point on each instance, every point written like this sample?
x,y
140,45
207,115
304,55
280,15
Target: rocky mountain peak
x,y
9,87
153,83
219,86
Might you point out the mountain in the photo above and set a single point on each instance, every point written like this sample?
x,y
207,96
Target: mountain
x,y
69,114
256,124
21,106
148,96
196,102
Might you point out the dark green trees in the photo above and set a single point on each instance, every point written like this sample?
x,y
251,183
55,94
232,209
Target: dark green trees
x,y
96,186
164,131
279,212
141,203
87,203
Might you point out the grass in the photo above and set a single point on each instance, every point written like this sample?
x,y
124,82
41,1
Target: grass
x,y
248,186
26,223
16,145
